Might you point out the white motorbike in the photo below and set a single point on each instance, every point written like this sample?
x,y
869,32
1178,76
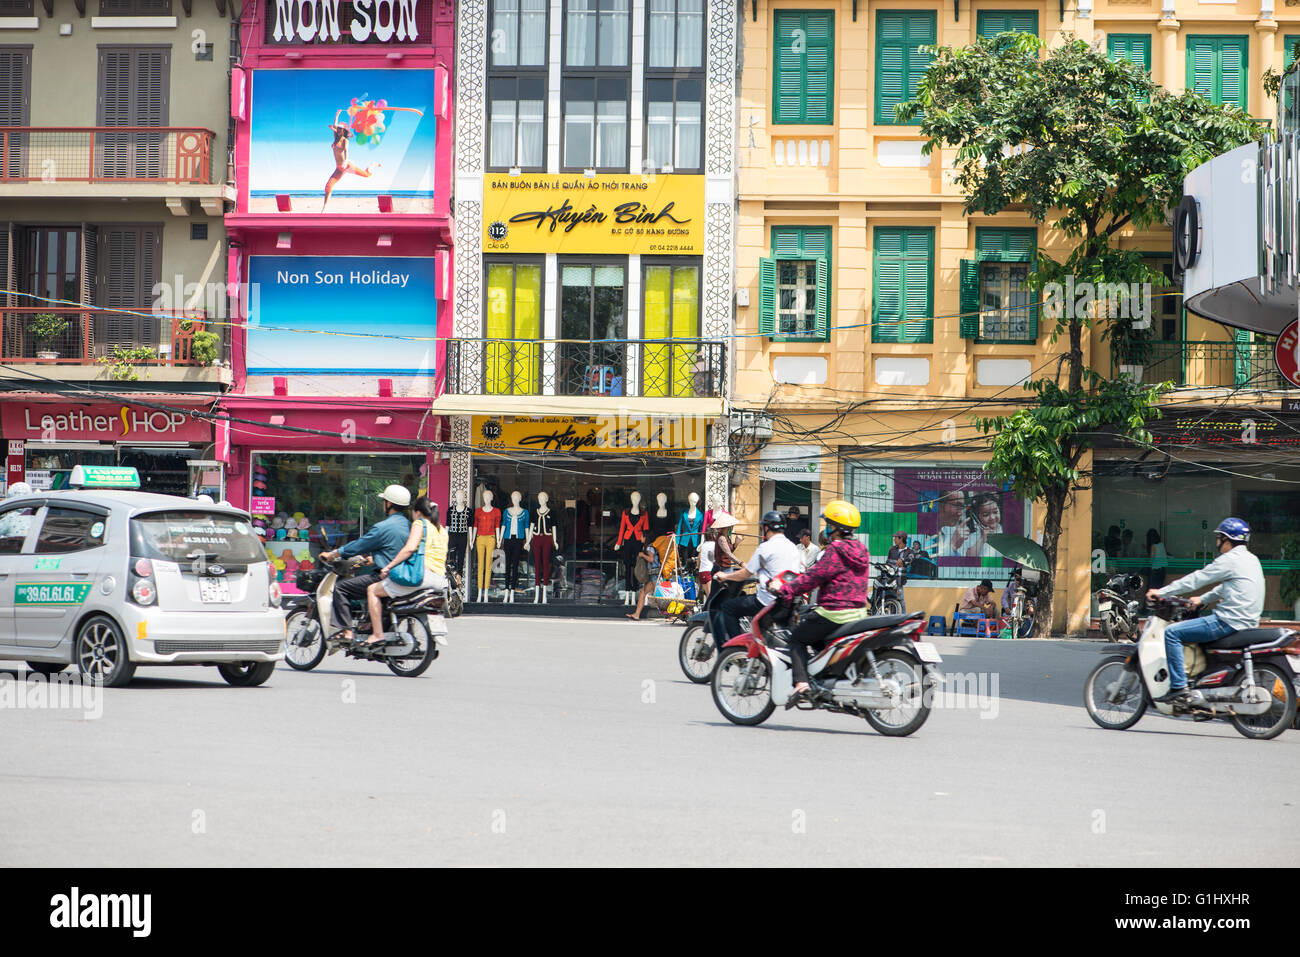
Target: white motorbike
x,y
414,625
874,669
1245,678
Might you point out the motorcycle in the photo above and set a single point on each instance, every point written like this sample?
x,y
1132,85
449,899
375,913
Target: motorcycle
x,y
1245,678
887,592
874,668
1117,607
414,625
697,651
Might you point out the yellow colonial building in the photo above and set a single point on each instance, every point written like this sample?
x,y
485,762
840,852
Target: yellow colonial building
x,y
875,319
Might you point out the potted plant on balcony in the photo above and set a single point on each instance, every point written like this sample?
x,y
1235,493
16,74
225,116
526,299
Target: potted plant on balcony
x,y
203,344
48,328
1130,348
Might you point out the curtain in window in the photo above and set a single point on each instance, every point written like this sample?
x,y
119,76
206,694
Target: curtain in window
x,y
659,129
690,33
671,311
611,133
688,128
580,33
662,17
579,126
532,134
502,119
514,322
504,42
613,32
532,33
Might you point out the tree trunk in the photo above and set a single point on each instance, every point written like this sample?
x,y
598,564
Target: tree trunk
x,y
1055,498
1075,360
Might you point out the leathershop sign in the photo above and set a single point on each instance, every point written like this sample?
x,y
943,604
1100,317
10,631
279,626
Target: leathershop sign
x,y
329,21
102,423
655,214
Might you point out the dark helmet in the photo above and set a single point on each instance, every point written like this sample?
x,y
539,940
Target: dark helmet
x,y
1234,529
773,520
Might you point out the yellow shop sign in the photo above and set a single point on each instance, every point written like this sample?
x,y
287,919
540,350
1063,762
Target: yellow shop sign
x,y
668,436
647,215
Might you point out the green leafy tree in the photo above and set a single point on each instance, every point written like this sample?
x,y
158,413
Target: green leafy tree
x,y
1093,148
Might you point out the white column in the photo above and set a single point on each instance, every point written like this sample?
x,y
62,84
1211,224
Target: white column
x,y
636,126
553,126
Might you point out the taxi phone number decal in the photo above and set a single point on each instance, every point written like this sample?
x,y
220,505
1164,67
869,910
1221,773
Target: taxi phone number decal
x,y
51,593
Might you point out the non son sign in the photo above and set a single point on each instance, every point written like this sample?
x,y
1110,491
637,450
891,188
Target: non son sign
x,y
326,21
1286,353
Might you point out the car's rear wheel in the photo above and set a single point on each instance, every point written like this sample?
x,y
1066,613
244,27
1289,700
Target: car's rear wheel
x,y
246,674
46,667
101,652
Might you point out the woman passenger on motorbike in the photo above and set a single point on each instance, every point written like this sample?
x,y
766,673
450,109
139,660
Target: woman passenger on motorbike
x,y
843,576
426,532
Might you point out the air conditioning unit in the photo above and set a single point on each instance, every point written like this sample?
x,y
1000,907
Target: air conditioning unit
x,y
750,423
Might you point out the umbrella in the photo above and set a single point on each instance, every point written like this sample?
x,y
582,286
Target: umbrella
x,y
1020,550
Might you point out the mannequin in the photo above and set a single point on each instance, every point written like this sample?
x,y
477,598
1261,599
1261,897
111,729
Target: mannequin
x,y
487,525
458,519
543,540
661,523
689,528
631,534
511,536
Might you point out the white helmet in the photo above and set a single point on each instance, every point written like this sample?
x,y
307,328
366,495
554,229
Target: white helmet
x,y
399,495
18,488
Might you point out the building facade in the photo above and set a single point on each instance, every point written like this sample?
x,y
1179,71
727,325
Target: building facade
x,y
341,256
595,228
114,175
875,319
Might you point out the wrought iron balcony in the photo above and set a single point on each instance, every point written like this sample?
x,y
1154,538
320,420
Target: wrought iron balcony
x,y
661,368
1227,365
87,336
102,154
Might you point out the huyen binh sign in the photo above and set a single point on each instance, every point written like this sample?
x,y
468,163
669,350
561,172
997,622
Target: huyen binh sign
x,y
572,213
665,436
334,21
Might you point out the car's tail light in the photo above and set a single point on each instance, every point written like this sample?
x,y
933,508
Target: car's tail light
x,y
143,567
144,592
273,593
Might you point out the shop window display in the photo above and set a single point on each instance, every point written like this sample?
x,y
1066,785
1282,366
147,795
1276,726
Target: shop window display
x,y
592,523
325,500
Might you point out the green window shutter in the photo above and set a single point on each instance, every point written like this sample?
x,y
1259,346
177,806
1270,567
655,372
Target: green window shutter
x,y
900,64
815,244
1288,48
886,284
823,299
989,23
803,88
1005,245
1232,72
767,296
902,284
1134,47
787,243
1201,61
970,299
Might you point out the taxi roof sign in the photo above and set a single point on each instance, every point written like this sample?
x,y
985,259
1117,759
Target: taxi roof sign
x,y
104,476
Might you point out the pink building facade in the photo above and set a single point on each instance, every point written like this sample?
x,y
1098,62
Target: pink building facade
x,y
340,262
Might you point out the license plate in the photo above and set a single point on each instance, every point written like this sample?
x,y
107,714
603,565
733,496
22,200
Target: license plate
x,y
437,625
926,651
213,590
1103,606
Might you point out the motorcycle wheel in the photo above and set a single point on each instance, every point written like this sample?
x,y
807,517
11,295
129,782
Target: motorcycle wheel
x,y
1106,628
902,721
696,669
750,707
891,606
1131,695
1279,716
426,649
304,645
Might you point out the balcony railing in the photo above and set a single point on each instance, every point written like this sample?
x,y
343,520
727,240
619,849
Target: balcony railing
x,y
1226,365
90,335
661,368
100,154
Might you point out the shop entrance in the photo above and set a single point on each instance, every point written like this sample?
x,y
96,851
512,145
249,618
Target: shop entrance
x,y
587,501
163,470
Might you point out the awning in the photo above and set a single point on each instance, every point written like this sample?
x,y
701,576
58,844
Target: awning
x,y
575,405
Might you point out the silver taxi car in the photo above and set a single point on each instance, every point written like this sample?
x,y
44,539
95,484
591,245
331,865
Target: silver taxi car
x,y
109,578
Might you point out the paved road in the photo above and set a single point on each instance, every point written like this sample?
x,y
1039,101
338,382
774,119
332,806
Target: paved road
x,y
563,742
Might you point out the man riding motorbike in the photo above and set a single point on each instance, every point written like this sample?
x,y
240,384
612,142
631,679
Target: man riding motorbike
x,y
843,575
774,556
382,543
1238,599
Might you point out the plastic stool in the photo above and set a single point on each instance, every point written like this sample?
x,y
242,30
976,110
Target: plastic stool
x,y
986,628
938,625
966,624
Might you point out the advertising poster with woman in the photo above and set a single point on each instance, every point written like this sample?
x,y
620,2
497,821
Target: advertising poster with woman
x,y
335,140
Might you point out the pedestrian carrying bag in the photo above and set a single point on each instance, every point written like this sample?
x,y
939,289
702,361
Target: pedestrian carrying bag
x,y
411,572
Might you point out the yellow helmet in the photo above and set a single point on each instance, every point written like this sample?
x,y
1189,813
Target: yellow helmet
x,y
843,514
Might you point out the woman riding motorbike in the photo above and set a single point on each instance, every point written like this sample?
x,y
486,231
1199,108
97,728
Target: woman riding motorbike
x,y
843,575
